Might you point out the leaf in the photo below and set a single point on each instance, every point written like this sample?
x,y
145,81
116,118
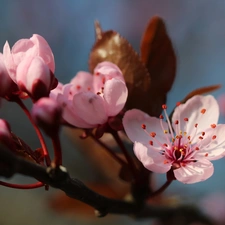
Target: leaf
x,y
201,91
116,49
159,57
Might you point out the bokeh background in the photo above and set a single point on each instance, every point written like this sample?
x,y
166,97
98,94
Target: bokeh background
x,y
197,30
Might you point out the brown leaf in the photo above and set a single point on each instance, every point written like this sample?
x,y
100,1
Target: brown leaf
x,y
201,91
98,31
159,57
116,49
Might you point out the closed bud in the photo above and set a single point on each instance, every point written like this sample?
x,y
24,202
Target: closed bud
x,y
47,113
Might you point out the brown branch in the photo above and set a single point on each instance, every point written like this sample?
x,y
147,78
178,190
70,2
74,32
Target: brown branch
x,y
11,164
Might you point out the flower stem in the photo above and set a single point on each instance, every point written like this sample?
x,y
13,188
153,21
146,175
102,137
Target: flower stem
x,y
22,186
57,150
37,130
127,156
161,189
109,150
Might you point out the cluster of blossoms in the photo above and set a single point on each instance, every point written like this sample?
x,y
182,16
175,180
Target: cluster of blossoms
x,y
183,147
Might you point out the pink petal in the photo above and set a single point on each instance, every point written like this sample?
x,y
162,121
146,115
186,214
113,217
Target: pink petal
x,y
192,110
133,121
151,158
212,149
90,107
105,71
83,81
115,95
194,172
9,61
69,113
44,51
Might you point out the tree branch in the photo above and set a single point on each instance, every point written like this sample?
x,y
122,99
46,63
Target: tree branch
x,y
11,164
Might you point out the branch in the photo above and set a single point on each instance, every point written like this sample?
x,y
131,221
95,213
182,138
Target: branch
x,y
11,164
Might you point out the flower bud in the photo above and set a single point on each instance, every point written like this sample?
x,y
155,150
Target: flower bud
x,y
47,113
34,77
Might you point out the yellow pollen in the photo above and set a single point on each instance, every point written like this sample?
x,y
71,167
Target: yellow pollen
x,y
165,131
185,133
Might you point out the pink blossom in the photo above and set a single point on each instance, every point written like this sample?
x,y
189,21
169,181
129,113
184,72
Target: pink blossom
x,y
187,145
31,65
89,100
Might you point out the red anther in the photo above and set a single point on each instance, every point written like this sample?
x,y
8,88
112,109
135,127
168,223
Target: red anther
x,y
200,137
97,74
189,138
165,145
151,142
197,148
89,88
186,119
213,125
178,103
161,117
165,161
153,134
176,122
196,125
78,87
164,106
143,126
214,137
203,133
206,154
98,93
203,111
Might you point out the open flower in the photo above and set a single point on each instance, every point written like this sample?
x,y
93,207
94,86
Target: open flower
x,y
187,145
89,100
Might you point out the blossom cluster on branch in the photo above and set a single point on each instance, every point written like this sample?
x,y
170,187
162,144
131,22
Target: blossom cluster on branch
x,y
124,93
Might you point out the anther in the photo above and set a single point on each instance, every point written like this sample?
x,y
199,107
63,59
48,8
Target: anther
x,y
197,148
151,142
176,122
206,154
178,103
214,137
203,111
196,125
213,125
164,106
98,93
153,134
203,133
78,87
143,126
165,145
161,117
186,119
165,131
165,161
89,88
200,137
97,74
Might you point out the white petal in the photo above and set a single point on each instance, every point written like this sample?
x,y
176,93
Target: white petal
x,y
192,110
151,158
194,172
133,121
215,149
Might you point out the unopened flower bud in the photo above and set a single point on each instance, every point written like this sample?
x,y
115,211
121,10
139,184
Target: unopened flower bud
x,y
34,77
47,114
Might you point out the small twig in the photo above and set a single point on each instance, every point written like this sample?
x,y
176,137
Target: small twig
x,y
161,189
57,150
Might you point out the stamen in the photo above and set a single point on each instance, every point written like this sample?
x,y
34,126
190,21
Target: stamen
x,y
98,93
186,119
78,87
153,134
203,133
176,122
166,161
197,148
200,137
151,142
213,125
97,74
143,126
178,103
164,106
161,117
203,111
214,137
89,88
206,154
196,125
168,121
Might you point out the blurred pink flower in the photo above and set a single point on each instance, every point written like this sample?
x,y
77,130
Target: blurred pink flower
x,y
31,65
187,145
89,100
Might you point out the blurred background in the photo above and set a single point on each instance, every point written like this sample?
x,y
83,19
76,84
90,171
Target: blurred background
x,y
197,30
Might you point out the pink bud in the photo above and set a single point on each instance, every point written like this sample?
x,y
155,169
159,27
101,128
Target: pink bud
x,y
47,113
26,48
6,84
34,77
